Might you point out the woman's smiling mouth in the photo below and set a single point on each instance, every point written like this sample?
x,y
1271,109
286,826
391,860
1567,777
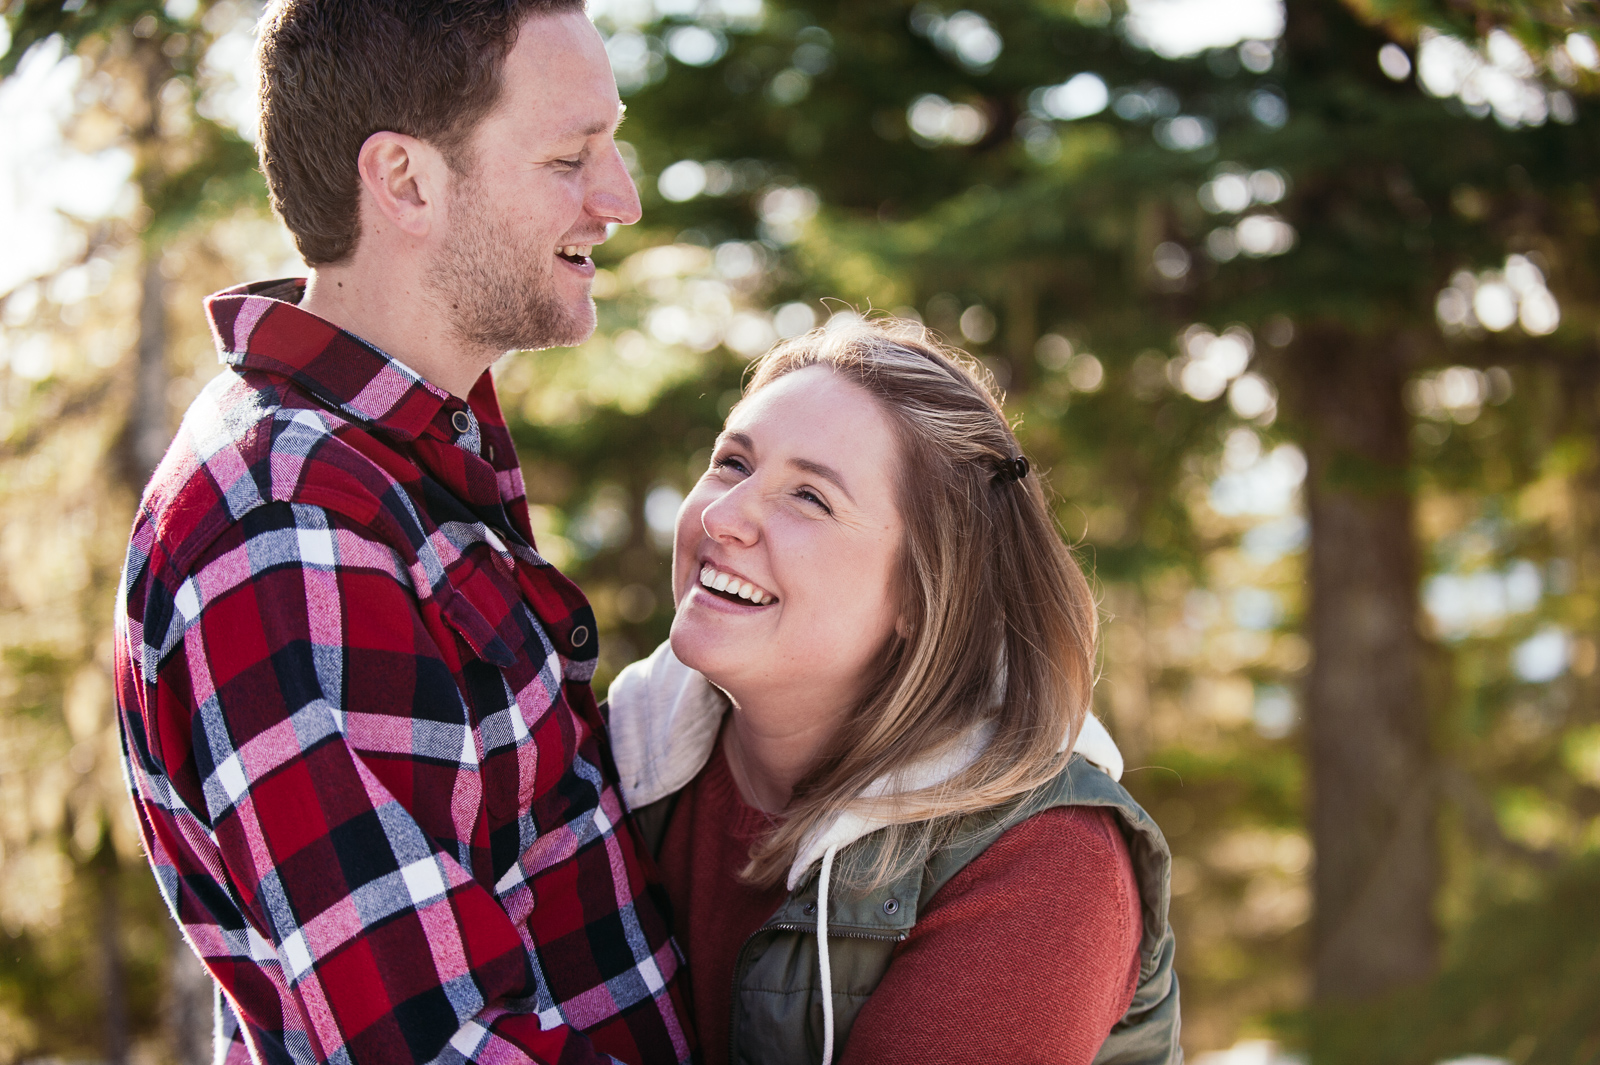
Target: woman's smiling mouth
x,y
727,586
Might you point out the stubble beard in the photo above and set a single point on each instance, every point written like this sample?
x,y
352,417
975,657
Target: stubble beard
x,y
499,292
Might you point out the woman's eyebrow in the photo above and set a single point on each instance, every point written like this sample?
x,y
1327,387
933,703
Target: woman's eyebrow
x,y
827,473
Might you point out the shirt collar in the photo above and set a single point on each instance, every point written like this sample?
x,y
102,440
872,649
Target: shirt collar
x,y
259,326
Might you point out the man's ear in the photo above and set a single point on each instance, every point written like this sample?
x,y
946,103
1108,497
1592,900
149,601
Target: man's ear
x,y
402,178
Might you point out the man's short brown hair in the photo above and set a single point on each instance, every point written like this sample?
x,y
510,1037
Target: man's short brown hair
x,y
334,72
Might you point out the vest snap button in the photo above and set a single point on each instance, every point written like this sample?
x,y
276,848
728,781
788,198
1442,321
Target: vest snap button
x,y
810,909
461,420
891,906
580,635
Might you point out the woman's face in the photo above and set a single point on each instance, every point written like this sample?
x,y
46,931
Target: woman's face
x,y
799,507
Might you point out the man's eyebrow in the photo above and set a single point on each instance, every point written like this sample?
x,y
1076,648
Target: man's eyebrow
x,y
600,126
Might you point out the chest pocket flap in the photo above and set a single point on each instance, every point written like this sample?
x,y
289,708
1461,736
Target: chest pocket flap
x,y
489,615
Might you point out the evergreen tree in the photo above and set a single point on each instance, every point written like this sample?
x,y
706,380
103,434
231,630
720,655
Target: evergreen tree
x,y
1035,182
81,436
1362,251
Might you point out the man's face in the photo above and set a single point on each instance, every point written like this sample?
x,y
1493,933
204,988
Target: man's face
x,y
542,179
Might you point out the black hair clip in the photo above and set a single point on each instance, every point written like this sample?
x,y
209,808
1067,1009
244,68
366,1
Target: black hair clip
x,y
1012,470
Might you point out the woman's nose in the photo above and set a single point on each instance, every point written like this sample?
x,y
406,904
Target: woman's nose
x,y
734,516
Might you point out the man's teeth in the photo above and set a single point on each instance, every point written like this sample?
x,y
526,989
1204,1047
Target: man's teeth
x,y
715,579
577,251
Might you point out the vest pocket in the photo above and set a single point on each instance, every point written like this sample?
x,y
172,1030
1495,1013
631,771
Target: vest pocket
x,y
777,1009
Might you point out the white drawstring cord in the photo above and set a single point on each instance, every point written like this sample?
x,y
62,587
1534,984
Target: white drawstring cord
x,y
822,956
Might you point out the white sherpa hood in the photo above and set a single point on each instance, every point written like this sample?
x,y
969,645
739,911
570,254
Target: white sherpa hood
x,y
664,723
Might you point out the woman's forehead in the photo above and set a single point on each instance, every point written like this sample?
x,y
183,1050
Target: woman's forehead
x,y
815,415
814,398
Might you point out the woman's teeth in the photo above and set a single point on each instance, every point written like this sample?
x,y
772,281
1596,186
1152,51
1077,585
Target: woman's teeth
x,y
716,580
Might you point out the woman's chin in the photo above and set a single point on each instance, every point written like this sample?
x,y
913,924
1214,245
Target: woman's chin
x,y
697,644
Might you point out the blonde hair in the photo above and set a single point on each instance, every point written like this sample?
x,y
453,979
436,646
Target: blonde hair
x,y
1000,623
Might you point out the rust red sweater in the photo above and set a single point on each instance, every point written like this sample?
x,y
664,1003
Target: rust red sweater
x,y
1029,954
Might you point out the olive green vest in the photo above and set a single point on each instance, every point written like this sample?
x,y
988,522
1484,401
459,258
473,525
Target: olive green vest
x,y
777,1005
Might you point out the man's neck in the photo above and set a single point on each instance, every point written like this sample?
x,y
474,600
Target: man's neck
x,y
401,317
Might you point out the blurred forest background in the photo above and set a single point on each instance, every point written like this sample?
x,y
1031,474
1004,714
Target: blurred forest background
x,y
1298,306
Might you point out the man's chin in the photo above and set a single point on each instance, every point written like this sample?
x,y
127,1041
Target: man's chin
x,y
569,331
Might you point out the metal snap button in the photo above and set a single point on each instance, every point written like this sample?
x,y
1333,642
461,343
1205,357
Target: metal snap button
x,y
891,906
810,909
580,635
461,420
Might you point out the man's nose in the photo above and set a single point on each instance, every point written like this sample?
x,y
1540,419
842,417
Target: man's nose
x,y
613,197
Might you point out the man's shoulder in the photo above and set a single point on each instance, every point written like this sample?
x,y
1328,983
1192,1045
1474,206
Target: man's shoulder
x,y
251,440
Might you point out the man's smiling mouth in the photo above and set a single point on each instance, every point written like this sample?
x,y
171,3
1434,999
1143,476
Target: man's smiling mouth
x,y
727,586
577,254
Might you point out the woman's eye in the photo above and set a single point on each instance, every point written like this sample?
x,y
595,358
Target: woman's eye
x,y
811,497
729,463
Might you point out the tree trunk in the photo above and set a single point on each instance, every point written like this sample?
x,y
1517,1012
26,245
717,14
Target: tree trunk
x,y
1127,670
148,432
107,871
189,1005
1579,541
1021,322
1372,783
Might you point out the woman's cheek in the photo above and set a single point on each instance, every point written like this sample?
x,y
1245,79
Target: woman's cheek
x,y
685,545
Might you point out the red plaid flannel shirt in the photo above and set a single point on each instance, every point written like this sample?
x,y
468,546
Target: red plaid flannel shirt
x,y
356,717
